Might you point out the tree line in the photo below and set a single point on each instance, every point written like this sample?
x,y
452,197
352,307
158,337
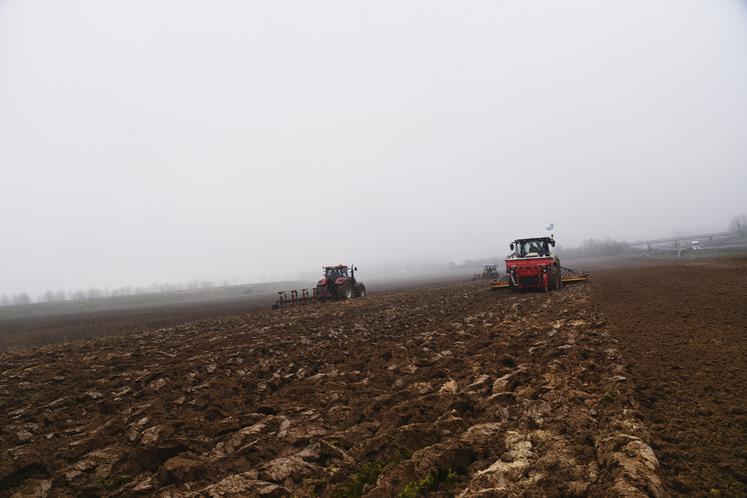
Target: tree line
x,y
595,248
59,296
589,248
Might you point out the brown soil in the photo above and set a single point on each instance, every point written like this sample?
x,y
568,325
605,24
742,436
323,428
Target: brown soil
x,y
113,317
447,390
40,330
682,329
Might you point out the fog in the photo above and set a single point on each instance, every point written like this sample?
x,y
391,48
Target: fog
x,y
151,141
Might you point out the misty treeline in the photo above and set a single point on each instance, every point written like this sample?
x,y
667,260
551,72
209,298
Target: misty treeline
x,y
588,248
595,248
88,294
739,224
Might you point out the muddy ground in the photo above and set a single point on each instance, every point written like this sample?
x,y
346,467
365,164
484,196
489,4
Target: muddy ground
x,y
682,329
53,323
449,390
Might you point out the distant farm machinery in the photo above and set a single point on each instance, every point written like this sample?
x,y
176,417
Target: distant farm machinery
x,y
533,266
339,283
489,272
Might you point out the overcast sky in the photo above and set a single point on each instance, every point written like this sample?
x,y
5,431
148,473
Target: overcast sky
x,y
150,141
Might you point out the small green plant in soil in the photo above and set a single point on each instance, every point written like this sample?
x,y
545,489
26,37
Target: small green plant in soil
x,y
430,482
366,473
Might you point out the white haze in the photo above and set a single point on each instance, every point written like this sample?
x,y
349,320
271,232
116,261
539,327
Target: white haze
x,y
151,141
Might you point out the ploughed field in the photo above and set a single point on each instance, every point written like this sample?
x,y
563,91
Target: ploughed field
x,y
52,323
449,390
683,334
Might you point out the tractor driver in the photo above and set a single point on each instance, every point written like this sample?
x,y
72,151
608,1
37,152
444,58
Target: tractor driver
x,y
543,249
336,272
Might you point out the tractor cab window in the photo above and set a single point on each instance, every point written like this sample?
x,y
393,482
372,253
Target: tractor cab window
x,y
539,247
335,273
525,248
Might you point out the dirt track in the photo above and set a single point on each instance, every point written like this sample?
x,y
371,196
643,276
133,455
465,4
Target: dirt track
x,y
449,390
683,332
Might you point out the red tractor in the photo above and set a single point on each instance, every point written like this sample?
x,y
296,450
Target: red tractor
x,y
532,266
339,283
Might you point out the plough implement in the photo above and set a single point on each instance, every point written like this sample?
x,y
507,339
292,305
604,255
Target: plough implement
x,y
532,266
567,276
294,300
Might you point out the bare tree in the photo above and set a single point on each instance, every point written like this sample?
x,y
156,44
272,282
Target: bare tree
x,y
78,295
21,298
739,224
94,294
123,291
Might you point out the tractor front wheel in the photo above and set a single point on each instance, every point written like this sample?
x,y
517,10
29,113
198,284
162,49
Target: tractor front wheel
x,y
360,290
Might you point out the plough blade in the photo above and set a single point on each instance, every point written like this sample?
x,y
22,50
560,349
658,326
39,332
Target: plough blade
x,y
306,297
569,276
499,284
570,280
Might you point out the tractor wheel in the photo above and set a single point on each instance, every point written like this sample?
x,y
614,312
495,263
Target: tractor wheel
x,y
344,291
558,282
360,290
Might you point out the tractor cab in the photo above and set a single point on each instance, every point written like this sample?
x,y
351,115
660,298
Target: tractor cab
x,y
334,272
538,247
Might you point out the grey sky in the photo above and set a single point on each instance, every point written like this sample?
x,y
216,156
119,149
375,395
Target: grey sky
x,y
148,141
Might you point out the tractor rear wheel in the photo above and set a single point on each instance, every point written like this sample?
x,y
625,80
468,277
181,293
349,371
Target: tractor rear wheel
x,y
344,291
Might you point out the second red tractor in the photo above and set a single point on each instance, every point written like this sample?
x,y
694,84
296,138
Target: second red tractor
x,y
339,283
